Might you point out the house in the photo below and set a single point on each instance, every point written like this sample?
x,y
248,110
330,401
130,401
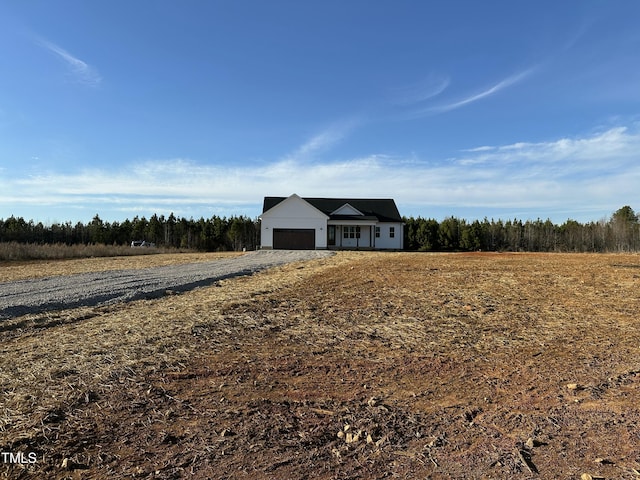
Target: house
x,y
336,223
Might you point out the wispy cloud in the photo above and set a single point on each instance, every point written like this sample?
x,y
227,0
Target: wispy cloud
x,y
593,174
432,86
425,108
601,149
326,139
501,85
81,72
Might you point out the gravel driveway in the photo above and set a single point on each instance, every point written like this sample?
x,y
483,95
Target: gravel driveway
x,y
100,288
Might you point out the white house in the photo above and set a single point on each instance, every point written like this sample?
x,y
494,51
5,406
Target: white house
x,y
317,223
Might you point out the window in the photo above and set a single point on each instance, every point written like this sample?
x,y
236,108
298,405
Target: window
x,y
377,232
351,232
392,232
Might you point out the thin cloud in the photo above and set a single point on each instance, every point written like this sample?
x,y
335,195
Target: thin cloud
x,y
413,109
81,71
326,139
598,171
602,148
484,148
507,82
428,88
322,141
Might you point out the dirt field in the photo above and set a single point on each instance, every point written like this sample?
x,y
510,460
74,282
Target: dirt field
x,y
361,365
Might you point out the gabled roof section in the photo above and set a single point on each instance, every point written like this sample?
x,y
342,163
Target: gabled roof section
x,y
271,203
384,209
346,209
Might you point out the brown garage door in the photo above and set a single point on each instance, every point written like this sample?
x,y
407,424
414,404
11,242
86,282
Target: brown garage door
x,y
294,238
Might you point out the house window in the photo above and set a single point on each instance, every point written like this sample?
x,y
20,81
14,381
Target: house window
x,y
377,232
392,232
351,232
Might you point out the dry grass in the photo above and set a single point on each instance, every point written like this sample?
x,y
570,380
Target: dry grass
x,y
20,270
443,366
17,251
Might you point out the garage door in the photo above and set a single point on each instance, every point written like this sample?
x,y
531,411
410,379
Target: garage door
x,y
294,238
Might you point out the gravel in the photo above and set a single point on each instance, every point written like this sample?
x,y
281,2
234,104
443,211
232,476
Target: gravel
x,y
101,288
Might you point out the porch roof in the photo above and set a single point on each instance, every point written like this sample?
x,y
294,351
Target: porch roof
x,y
354,221
346,218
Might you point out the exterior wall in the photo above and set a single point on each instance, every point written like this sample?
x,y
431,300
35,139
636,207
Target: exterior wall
x,y
364,241
293,212
385,241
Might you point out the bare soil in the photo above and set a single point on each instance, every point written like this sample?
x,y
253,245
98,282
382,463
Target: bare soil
x,y
362,365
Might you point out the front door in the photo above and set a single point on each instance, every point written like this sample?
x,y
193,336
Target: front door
x,y
331,235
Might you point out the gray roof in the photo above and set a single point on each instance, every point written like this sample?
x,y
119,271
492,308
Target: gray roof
x,y
382,209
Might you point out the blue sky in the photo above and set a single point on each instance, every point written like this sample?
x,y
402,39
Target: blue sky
x,y
500,109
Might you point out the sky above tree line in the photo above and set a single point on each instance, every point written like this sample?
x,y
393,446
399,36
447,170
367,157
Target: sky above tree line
x,y
495,109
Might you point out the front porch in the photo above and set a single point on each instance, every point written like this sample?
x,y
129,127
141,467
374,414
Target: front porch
x,y
364,249
356,235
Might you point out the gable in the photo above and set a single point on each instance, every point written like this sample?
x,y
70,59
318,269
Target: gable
x,y
347,209
290,207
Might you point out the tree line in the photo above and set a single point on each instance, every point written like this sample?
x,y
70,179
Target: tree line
x,y
620,233
212,234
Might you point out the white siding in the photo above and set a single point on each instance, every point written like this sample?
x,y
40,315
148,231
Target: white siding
x,y
385,240
363,241
293,212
